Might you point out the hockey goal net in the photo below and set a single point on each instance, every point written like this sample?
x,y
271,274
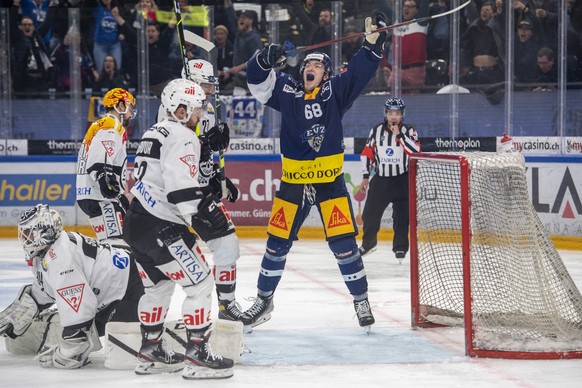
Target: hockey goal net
x,y
482,259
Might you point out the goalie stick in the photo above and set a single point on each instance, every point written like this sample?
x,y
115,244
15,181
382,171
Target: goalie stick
x,y
190,37
390,27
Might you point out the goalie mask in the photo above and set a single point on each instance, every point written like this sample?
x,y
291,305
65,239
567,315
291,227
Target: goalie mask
x,y
39,227
201,72
183,92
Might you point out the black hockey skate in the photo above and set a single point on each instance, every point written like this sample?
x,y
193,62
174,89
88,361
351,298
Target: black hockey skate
x,y
258,313
365,252
364,313
201,362
229,310
155,356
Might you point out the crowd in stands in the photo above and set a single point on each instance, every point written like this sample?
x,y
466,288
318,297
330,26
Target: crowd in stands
x,y
40,42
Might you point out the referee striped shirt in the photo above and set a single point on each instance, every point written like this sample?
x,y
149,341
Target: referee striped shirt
x,y
386,153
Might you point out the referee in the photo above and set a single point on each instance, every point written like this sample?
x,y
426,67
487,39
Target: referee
x,y
386,152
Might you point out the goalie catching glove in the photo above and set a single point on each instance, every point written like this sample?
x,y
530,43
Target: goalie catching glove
x,y
216,138
375,40
108,184
271,56
17,317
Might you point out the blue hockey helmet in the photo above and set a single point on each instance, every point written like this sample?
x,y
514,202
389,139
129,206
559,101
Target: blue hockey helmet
x,y
394,104
321,57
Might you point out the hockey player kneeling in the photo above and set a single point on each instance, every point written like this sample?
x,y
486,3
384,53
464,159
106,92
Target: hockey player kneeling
x,y
90,284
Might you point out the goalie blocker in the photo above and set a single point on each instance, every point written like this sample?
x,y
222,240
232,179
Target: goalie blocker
x,y
123,341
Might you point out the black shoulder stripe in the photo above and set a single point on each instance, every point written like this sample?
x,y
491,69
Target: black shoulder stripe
x,y
185,195
150,148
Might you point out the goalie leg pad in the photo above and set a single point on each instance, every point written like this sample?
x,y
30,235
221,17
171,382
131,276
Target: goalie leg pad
x,y
17,317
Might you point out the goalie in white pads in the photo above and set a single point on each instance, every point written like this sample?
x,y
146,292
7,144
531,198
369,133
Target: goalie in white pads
x,y
167,200
224,247
91,284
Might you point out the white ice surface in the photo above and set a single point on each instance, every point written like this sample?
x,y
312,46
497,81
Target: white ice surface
x,y
313,339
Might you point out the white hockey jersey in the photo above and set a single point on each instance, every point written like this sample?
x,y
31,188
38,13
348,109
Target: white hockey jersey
x,y
166,172
105,143
81,276
207,121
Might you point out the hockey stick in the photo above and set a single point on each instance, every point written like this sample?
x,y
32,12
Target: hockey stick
x,y
205,45
390,27
181,39
199,41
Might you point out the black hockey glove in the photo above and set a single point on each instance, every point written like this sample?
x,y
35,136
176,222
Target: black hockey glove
x,y
375,41
272,56
231,190
217,137
123,202
108,183
210,213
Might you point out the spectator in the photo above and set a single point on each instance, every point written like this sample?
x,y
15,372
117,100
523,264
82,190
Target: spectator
x,y
482,48
547,71
36,10
224,55
162,68
525,57
61,60
110,76
307,15
350,46
412,48
32,69
246,44
106,40
323,31
437,39
547,13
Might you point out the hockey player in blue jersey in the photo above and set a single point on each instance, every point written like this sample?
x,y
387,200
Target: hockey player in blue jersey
x,y
312,147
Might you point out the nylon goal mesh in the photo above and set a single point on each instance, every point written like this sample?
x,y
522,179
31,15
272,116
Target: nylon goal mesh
x,y
522,297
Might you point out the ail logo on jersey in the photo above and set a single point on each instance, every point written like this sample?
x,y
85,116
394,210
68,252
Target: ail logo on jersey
x,y
190,161
153,316
73,295
199,317
109,146
226,276
314,136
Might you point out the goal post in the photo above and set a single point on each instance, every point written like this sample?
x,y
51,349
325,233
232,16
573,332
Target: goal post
x,y
481,258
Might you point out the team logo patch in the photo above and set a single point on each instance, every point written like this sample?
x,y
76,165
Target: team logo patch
x,y
73,295
314,136
190,161
282,217
120,261
109,146
337,217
